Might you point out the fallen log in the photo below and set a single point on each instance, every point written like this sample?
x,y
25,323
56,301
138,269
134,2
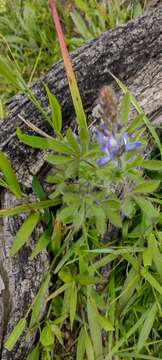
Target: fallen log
x,y
133,53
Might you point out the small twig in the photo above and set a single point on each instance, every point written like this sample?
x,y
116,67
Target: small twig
x,y
35,128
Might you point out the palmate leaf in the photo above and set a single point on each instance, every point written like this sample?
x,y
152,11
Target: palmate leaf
x,y
24,232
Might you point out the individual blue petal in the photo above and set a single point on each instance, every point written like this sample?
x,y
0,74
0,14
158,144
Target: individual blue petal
x,y
103,160
100,137
104,128
114,150
132,146
105,148
117,125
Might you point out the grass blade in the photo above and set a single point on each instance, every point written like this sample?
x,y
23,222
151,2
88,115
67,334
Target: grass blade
x,y
146,328
9,175
24,232
16,333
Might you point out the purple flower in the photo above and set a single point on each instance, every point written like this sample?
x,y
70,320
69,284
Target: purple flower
x,y
103,160
113,144
130,146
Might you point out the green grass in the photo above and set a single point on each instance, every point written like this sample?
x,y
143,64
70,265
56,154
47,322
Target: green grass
x,y
27,36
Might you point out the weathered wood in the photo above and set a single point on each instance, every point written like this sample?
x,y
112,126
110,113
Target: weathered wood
x,y
134,54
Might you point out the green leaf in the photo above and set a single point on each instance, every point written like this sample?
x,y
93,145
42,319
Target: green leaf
x,y
81,25
129,287
58,160
155,253
87,279
30,206
124,339
114,217
95,329
153,165
133,355
38,142
65,275
73,141
24,232
73,303
34,355
100,218
125,109
78,220
58,291
105,323
128,207
47,336
55,110
7,71
89,348
16,333
9,175
146,328
146,186
137,9
146,207
147,257
152,281
56,330
41,244
38,189
135,123
38,303
70,198
81,345
67,213
84,139
39,192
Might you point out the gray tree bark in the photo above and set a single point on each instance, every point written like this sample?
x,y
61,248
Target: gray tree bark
x,y
133,53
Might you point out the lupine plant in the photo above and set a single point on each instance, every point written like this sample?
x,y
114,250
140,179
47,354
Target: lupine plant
x,y
106,297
